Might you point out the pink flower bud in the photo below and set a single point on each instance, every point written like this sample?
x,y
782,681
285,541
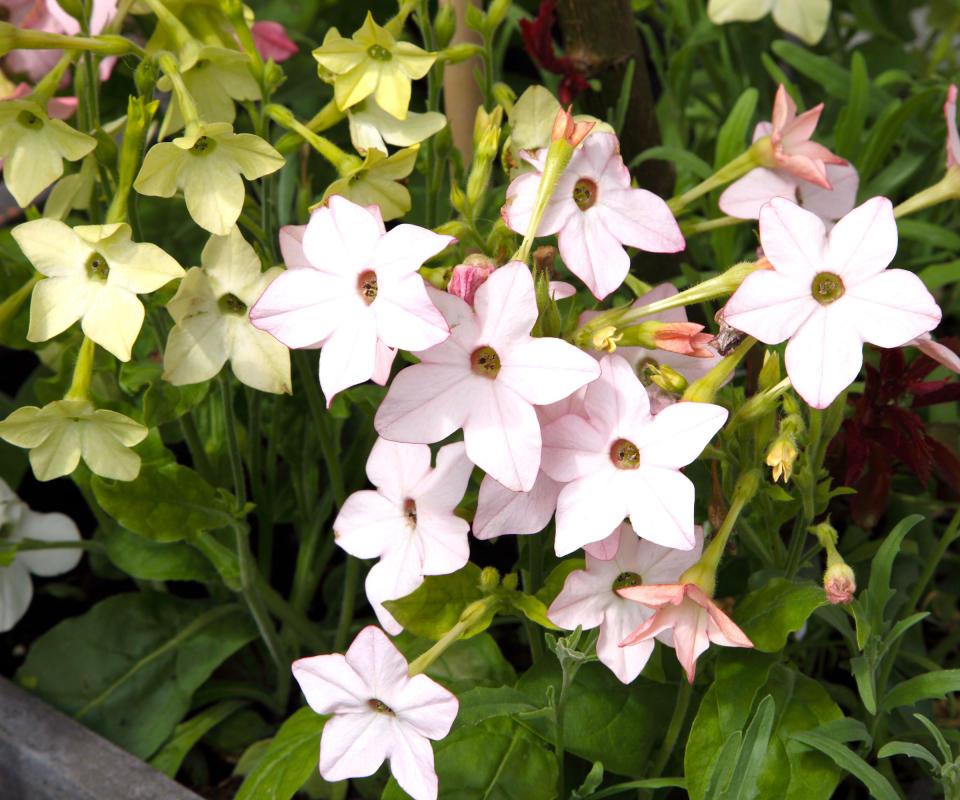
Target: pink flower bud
x,y
685,338
565,128
839,584
469,276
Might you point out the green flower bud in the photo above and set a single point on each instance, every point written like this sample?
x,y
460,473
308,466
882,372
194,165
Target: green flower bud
x,y
444,24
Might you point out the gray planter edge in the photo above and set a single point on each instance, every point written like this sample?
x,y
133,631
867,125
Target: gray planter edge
x,y
45,755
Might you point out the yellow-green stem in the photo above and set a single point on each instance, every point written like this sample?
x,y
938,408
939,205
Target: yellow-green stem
x,y
326,117
691,228
558,156
188,107
947,188
344,162
757,155
705,389
10,307
82,372
47,87
469,617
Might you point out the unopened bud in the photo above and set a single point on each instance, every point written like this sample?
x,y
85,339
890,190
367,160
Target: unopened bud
x,y
486,129
839,583
495,14
457,199
565,128
273,75
665,377
438,277
444,24
459,52
145,77
470,276
781,457
770,371
504,95
106,149
454,228
510,581
684,338
489,579
605,340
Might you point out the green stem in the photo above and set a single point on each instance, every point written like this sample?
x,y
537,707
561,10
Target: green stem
x,y
47,87
198,453
311,565
740,166
82,372
946,188
14,38
188,107
533,580
11,306
949,536
323,426
471,614
691,228
343,162
233,449
325,118
673,730
346,606
79,544
808,508
559,710
139,116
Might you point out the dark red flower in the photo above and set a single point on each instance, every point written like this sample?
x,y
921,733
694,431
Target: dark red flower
x,y
538,39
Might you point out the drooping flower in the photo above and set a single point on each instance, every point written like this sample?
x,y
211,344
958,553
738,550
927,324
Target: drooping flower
x,y
805,19
379,712
360,296
685,619
469,276
207,166
18,522
58,434
373,62
619,461
486,378
94,274
33,147
212,325
745,197
828,294
377,181
372,127
589,597
408,522
596,212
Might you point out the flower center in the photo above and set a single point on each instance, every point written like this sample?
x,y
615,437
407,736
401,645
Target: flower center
x,y
584,193
97,267
626,579
231,304
485,362
367,286
203,146
624,454
827,288
410,512
379,706
29,120
378,53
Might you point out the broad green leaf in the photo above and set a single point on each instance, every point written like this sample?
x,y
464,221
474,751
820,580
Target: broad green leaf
x,y
752,751
494,760
532,608
879,591
465,664
910,749
165,504
846,759
923,687
553,585
135,662
733,137
863,673
436,605
482,703
769,615
162,401
886,130
927,232
849,127
147,560
289,761
823,71
188,733
605,720
937,275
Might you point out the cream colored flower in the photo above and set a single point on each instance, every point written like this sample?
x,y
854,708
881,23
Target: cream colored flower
x,y
207,166
373,62
33,147
806,19
371,126
62,431
210,310
93,274
376,182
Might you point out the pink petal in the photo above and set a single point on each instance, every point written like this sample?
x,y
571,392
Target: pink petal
x,y
600,154
393,577
831,204
502,511
520,199
801,128
402,250
341,238
665,564
661,507
572,449
330,684
655,595
271,41
639,218
953,140
426,403
426,706
368,523
721,629
619,622
938,352
689,635
784,110
502,435
396,467
679,433
348,357
607,549
378,662
593,254
771,306
793,240
824,356
863,242
405,316
891,308
506,304
444,537
744,198
354,745
618,398
291,246
546,370
590,508
443,488
383,361
582,601
411,762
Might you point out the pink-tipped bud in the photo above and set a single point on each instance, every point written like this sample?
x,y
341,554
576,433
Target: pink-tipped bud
x,y
565,128
469,276
839,584
685,338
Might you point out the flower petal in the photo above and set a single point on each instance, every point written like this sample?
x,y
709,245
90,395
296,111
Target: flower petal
x,y
52,527
368,523
546,370
793,239
501,511
863,243
679,433
506,304
661,507
891,308
348,357
426,403
745,197
16,592
771,306
824,356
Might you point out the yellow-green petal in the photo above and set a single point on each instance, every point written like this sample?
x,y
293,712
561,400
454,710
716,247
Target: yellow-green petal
x,y
806,19
55,304
113,321
161,166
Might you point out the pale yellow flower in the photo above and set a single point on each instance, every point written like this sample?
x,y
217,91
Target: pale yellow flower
x,y
376,182
806,19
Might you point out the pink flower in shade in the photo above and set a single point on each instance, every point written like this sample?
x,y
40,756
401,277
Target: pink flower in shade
x,y
685,619
619,461
953,139
379,712
57,107
589,597
828,294
486,378
596,212
469,276
359,296
792,149
744,198
408,521
272,41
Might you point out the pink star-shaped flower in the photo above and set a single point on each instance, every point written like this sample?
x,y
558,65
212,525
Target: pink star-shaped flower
x,y
408,521
685,619
378,713
596,212
589,597
953,139
359,295
744,198
486,378
830,294
621,461
790,141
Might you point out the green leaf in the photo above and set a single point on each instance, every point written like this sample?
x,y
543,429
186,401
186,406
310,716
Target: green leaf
x,y
732,139
165,504
676,155
886,130
146,560
436,605
162,401
743,780
553,585
590,783
290,760
823,71
937,275
532,608
927,232
878,589
482,703
922,687
910,749
188,733
135,662
849,127
467,663
769,615
846,759
862,668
